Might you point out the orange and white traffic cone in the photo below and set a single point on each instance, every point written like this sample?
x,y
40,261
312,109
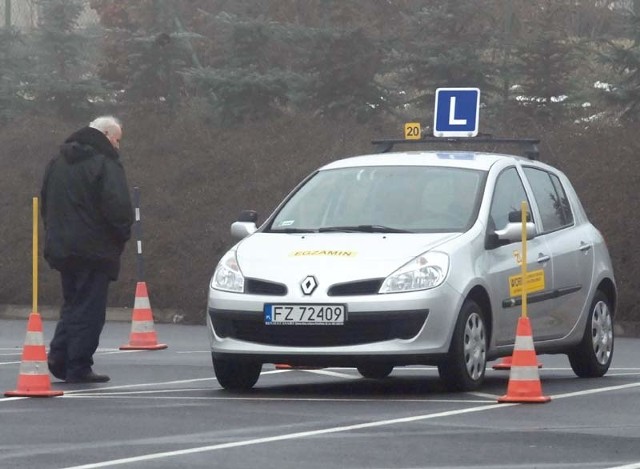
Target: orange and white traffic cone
x,y
524,380
505,364
33,377
143,334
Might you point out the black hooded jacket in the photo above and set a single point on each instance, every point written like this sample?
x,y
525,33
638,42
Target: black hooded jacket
x,y
86,206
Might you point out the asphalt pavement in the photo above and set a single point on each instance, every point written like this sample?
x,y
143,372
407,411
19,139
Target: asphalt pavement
x,y
164,409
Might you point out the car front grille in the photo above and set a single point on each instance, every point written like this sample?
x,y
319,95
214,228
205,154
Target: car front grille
x,y
362,287
262,287
360,328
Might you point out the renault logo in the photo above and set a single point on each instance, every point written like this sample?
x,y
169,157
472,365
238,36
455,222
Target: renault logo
x,y
308,285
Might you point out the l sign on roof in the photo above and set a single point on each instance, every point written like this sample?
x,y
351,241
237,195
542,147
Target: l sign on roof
x,y
456,112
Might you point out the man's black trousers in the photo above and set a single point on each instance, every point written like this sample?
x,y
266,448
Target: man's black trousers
x,y
81,321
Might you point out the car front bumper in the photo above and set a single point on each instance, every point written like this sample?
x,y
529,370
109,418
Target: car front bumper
x,y
401,328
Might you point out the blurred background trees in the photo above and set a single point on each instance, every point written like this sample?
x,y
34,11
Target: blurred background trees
x,y
228,103
247,59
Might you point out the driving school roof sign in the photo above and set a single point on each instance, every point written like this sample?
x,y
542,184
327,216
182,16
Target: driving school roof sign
x,y
456,112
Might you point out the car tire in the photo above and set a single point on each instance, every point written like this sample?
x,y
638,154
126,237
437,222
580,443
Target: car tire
x,y
235,375
464,368
376,371
592,357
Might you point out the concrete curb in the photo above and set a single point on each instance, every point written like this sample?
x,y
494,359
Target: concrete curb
x,y
113,314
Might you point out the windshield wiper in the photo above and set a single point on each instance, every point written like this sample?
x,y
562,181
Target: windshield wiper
x,y
293,230
362,229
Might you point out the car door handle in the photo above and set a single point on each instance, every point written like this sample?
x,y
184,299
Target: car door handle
x,y
584,247
542,258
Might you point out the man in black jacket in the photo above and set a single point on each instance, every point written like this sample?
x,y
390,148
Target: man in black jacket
x,y
87,215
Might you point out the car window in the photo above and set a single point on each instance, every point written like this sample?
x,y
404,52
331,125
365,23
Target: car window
x,y
508,196
409,198
564,200
553,205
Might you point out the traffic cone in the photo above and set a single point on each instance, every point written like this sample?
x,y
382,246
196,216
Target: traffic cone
x,y
33,378
285,366
524,381
505,364
143,335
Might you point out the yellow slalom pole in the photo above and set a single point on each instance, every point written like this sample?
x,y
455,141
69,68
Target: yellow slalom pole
x,y
523,208
35,255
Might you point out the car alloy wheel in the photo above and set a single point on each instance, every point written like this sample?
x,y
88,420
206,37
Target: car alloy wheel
x,y
475,346
592,357
602,332
464,367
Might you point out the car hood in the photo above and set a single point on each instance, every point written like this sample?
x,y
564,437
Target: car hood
x,y
331,257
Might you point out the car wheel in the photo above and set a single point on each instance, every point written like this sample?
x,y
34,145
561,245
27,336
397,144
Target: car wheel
x,y
592,357
464,367
377,371
237,375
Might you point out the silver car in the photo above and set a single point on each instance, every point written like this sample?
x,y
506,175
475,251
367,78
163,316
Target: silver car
x,y
407,258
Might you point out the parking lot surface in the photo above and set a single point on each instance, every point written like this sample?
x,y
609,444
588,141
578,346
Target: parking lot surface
x,y
165,409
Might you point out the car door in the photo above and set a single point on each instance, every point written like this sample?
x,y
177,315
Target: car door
x,y
570,248
502,264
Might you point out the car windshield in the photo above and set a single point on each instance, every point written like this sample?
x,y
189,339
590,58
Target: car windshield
x,y
384,199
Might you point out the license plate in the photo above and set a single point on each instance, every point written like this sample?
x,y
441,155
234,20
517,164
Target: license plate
x,y
307,314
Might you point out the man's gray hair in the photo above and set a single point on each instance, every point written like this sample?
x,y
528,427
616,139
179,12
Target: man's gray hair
x,y
106,124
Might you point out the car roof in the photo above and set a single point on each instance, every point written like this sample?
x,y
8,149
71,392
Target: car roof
x,y
456,159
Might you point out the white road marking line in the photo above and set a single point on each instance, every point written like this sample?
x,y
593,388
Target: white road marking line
x,y
595,391
101,353
635,465
6,399
163,383
346,428
116,351
289,436
92,391
135,395
140,385
485,395
330,373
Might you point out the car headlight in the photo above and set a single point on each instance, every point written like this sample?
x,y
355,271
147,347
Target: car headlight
x,y
227,275
426,271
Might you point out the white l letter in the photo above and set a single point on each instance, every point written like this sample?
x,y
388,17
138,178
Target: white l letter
x,y
452,113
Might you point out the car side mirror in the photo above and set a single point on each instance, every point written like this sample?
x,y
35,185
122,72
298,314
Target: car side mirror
x,y
513,232
246,224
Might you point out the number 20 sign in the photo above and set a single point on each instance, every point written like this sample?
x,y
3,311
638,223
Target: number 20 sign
x,y
412,131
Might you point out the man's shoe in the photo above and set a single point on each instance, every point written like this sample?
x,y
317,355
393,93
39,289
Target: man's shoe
x,y
90,377
57,369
